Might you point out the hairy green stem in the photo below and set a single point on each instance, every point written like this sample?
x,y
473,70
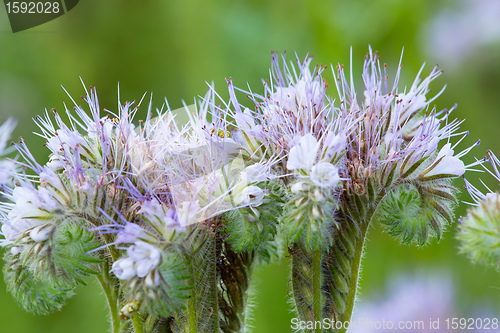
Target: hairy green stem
x,y
341,263
192,318
201,314
353,281
235,270
316,284
355,261
307,281
108,288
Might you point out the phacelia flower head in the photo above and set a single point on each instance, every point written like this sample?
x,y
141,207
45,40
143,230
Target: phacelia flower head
x,y
401,147
398,126
295,124
128,187
390,137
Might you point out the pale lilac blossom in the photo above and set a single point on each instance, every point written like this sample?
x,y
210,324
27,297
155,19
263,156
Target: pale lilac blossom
x,y
31,211
398,126
256,173
445,164
130,233
157,212
333,145
249,196
8,168
42,232
142,259
124,268
245,120
325,175
300,186
188,212
303,155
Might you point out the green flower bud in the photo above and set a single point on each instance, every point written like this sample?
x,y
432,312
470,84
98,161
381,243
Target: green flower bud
x,y
479,232
414,213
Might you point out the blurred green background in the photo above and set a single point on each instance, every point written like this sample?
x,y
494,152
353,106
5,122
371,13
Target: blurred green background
x,y
171,48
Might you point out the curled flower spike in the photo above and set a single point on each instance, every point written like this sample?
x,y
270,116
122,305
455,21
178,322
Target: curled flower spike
x,y
479,230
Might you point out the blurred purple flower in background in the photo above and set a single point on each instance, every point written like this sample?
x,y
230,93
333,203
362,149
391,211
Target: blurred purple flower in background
x,y
453,35
425,298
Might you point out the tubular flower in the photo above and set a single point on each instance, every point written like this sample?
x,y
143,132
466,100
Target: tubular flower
x,y
303,155
142,258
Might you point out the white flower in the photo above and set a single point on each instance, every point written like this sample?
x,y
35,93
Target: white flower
x,y
150,283
409,104
188,212
124,268
298,187
303,154
306,93
161,217
42,232
5,132
211,155
7,170
246,122
256,173
333,144
15,250
29,201
249,196
55,163
494,197
418,149
32,208
145,256
142,259
309,92
284,97
445,164
325,175
65,139
374,99
155,212
422,127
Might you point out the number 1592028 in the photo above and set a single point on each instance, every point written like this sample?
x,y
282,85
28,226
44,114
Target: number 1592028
x,y
472,323
39,7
